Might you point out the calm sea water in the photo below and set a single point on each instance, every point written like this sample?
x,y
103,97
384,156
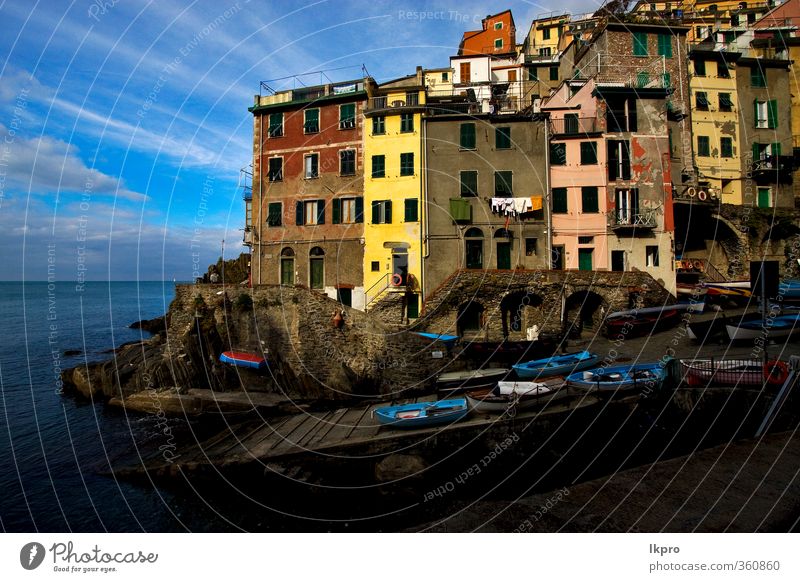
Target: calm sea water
x,y
55,451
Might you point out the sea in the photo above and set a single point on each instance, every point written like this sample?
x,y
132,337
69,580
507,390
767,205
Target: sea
x,y
56,451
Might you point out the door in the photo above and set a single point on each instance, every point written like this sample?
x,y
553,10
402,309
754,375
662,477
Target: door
x,y
412,306
504,255
317,273
763,198
287,271
617,260
512,76
345,296
557,259
585,259
474,254
465,73
400,264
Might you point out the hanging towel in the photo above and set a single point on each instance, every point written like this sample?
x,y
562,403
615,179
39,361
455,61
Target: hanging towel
x,y
521,205
536,203
496,202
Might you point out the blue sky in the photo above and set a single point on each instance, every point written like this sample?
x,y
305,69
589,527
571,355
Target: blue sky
x,y
124,123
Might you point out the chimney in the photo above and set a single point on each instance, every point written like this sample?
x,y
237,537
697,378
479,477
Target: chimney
x,y
420,78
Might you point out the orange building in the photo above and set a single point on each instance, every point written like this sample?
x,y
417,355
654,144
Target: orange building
x,y
497,36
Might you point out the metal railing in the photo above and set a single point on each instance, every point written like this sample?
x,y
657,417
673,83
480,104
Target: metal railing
x,y
372,293
769,164
386,102
575,126
622,71
625,219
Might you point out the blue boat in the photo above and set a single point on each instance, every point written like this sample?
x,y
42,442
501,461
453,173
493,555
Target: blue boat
x,y
556,365
243,360
779,327
613,378
448,340
423,414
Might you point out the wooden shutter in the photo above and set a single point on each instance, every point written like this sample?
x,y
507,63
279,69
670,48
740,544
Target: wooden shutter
x,y
376,213
756,151
359,209
633,122
626,161
388,212
776,149
299,213
640,44
468,135
772,114
336,211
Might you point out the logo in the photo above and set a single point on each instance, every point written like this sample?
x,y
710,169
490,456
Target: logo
x,y
31,555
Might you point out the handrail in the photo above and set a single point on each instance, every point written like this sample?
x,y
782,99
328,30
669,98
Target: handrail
x,y
385,279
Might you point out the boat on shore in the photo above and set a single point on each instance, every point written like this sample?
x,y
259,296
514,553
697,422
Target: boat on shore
x,y
423,414
781,326
448,340
633,325
615,378
556,365
451,382
243,360
512,396
733,372
510,352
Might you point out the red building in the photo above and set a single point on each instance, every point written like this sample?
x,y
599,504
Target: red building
x,y
497,36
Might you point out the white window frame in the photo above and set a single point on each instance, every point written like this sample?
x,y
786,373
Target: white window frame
x,y
350,123
306,168
348,211
500,40
310,212
498,26
761,109
652,258
282,168
319,120
381,211
355,161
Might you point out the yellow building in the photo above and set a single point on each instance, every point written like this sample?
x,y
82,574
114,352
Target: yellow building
x,y
542,49
393,188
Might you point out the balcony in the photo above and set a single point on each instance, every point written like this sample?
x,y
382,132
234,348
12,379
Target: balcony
x,y
308,94
575,126
495,97
773,169
542,59
609,70
622,220
384,103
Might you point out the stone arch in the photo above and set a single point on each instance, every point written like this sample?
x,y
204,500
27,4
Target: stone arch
x,y
520,310
583,309
471,317
729,250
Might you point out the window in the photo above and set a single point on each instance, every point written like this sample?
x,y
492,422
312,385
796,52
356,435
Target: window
x,y
726,147
311,165
378,166
766,114
665,45
502,138
734,20
311,121
546,33
619,160
382,212
703,146
310,212
589,199
316,268
378,125
248,213
445,76
347,116
627,205
757,78
532,74
469,183
725,103
621,114
751,18
467,140
275,173
411,210
530,247
571,124
585,240
588,153
764,198
559,200
287,266
406,123
498,43
407,164
276,124
347,162
554,73
347,210
652,255
700,68
722,70
498,25
474,248
558,154
274,214
412,98
503,184
640,44
701,100
465,74
375,266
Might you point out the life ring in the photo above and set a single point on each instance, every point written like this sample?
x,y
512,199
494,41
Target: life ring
x,y
396,280
690,192
776,372
698,265
701,195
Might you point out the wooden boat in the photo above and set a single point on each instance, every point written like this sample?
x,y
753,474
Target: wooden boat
x,y
781,326
470,379
713,329
448,340
423,414
613,378
735,290
639,324
512,395
556,365
244,360
510,352
732,372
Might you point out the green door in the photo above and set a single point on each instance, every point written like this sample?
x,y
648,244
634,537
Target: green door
x,y
412,307
503,255
763,198
317,273
287,271
585,259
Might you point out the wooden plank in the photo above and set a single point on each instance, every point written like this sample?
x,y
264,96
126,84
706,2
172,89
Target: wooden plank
x,y
339,432
320,424
330,424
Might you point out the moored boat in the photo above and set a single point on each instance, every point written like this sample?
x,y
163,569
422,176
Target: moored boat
x,y
243,359
470,379
732,372
448,340
634,376
512,395
556,365
633,325
781,326
422,414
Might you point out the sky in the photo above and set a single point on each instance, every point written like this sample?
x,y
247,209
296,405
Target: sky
x,y
124,123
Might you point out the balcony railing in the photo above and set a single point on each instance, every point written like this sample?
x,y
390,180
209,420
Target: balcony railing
x,y
385,102
779,167
621,220
622,71
575,126
542,59
489,97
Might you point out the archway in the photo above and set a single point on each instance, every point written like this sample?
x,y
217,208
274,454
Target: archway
x,y
583,310
520,310
287,266
470,317
473,245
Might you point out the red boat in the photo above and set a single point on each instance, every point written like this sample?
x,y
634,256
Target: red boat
x,y
636,325
244,360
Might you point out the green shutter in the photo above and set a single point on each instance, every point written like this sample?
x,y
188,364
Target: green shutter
x,y
776,148
411,214
320,212
311,124
336,210
468,136
298,213
772,114
589,199
376,213
460,210
667,80
756,151
388,212
559,200
755,113
588,153
360,209
347,112
640,44
502,138
665,45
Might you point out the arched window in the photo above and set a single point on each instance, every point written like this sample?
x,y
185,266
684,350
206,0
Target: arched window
x,y
316,268
287,266
473,244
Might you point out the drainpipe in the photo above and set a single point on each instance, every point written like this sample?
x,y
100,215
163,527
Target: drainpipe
x,y
548,218
260,181
424,238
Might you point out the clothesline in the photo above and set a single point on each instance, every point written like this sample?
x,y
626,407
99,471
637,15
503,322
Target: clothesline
x,y
515,206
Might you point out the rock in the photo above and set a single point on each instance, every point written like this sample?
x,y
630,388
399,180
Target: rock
x,y
167,401
154,326
397,466
68,353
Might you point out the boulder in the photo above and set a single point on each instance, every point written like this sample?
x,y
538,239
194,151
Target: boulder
x,y
397,466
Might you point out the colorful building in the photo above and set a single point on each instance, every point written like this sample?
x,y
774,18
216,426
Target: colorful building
x,y
497,36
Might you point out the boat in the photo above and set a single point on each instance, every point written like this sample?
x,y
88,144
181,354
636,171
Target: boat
x,y
244,360
780,326
510,352
713,329
556,365
633,325
448,340
470,379
613,378
734,291
422,414
512,396
732,372
685,306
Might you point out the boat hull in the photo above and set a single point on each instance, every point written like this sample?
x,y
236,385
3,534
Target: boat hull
x,y
471,379
243,360
727,372
424,414
633,326
523,396
638,377
554,367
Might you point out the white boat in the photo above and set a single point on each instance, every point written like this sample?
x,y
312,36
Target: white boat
x,y
470,379
778,327
512,395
